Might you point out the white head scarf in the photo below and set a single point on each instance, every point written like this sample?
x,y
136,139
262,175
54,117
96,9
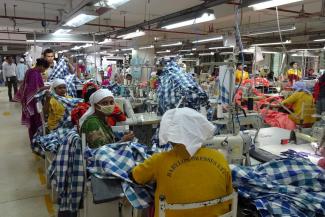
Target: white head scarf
x,y
185,126
57,82
93,99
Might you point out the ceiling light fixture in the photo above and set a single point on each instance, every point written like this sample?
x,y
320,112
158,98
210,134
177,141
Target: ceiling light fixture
x,y
274,43
165,51
292,28
111,3
185,50
107,40
62,31
271,3
208,40
80,20
173,44
56,41
217,48
137,33
205,17
321,39
146,47
206,54
127,49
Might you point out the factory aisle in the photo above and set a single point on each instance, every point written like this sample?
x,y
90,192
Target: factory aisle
x,y
22,180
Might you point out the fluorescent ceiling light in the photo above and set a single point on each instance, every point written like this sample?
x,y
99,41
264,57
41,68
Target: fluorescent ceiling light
x,y
127,49
271,31
208,39
321,39
274,43
171,45
204,18
217,48
63,51
82,46
165,51
80,20
107,40
206,54
271,3
58,40
135,34
111,3
189,54
146,47
62,31
185,50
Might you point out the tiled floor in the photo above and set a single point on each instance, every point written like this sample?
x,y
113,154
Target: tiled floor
x,y
22,190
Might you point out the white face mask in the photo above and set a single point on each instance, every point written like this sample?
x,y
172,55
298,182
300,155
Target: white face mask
x,y
107,110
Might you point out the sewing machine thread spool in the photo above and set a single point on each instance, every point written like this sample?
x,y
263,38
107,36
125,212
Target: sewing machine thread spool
x,y
250,104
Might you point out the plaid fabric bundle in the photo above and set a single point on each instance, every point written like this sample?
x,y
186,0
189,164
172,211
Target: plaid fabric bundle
x,y
174,85
49,142
67,172
286,187
223,83
118,160
72,81
61,70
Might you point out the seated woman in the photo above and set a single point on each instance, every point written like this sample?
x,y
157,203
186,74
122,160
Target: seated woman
x,y
53,108
188,173
94,122
301,102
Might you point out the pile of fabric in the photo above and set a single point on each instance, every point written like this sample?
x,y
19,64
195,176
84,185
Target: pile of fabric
x,y
285,187
175,86
118,160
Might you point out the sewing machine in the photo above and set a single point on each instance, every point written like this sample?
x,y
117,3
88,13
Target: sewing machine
x,y
316,137
234,147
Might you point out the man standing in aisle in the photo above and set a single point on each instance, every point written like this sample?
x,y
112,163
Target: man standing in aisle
x,y
9,76
21,70
49,56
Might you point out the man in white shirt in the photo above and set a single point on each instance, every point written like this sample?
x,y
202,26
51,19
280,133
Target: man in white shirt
x,y
9,75
21,70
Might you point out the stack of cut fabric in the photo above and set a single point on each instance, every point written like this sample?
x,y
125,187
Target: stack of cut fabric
x,y
285,187
175,86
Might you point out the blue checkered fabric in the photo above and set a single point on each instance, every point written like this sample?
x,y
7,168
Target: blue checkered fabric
x,y
223,84
117,160
67,172
49,142
60,70
285,187
175,84
72,81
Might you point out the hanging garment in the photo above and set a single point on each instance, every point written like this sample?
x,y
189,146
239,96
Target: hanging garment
x,y
67,172
285,187
60,70
174,86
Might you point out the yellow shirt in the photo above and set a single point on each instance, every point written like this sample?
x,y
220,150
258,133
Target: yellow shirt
x,y
239,74
296,72
297,100
182,179
56,113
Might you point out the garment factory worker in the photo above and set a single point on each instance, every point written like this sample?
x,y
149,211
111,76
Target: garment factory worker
x,y
94,122
9,76
294,74
32,83
53,108
48,55
319,94
240,74
21,70
188,173
301,102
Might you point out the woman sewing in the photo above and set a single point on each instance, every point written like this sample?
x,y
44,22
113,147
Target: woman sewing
x,y
188,173
94,122
53,109
301,102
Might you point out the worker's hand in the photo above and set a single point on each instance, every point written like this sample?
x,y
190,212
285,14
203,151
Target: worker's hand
x,y
128,137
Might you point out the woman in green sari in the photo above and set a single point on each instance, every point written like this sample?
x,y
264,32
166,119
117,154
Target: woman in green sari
x,y
93,123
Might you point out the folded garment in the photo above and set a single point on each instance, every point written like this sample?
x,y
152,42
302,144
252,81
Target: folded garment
x,y
278,119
